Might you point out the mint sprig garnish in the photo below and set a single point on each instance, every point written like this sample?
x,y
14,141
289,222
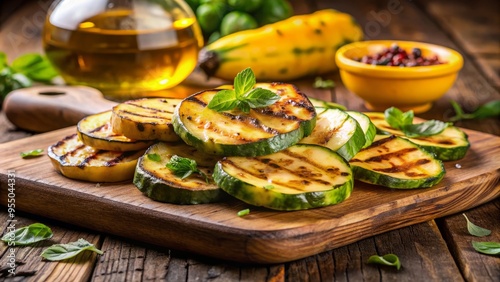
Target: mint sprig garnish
x,y
404,122
184,167
244,96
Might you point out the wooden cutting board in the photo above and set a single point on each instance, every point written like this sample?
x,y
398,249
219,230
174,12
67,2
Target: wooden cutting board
x,y
263,236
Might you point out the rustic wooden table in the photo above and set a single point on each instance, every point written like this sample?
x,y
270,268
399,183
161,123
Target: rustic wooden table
x,y
437,250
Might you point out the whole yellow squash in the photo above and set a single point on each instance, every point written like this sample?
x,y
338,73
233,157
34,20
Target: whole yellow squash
x,y
302,45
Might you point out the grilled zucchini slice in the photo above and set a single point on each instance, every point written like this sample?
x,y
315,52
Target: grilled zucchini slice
x,y
300,177
158,182
367,125
77,161
96,131
396,162
449,145
234,133
337,130
322,104
146,119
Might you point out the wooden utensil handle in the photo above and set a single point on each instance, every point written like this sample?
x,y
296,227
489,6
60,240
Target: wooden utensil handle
x,y
46,108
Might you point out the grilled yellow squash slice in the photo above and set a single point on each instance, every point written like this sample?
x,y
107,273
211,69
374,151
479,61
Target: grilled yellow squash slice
x,y
300,177
396,162
146,119
96,131
159,183
449,145
262,131
77,161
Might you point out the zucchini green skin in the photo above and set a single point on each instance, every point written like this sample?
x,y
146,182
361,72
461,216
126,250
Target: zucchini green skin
x,y
450,145
332,128
322,104
389,180
257,147
367,125
277,199
158,183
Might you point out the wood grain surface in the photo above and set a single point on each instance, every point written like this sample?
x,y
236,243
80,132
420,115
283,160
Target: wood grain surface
x,y
263,236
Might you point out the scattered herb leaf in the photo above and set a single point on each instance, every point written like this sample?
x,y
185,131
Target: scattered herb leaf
x,y
184,167
490,109
269,187
244,212
476,230
319,82
28,235
243,96
24,70
65,251
31,154
427,128
489,248
397,119
389,259
154,157
404,122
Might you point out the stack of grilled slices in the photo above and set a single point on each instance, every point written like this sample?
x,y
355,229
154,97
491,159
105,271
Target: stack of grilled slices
x,y
297,153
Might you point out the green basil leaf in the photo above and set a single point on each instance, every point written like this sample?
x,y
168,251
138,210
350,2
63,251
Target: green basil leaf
x,y
26,61
28,235
34,66
19,80
154,157
323,83
389,259
59,252
476,230
243,106
260,97
269,187
31,154
184,167
397,119
244,82
490,109
224,100
428,128
489,248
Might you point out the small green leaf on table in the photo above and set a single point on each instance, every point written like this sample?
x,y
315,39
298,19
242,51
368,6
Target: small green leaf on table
x,y
27,235
59,252
490,109
488,248
388,259
31,154
476,230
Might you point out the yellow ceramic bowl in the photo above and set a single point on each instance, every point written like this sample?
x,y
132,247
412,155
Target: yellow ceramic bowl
x,y
407,88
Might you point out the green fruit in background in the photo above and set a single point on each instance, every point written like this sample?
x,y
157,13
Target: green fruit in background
x,y
245,5
210,16
214,36
272,11
236,21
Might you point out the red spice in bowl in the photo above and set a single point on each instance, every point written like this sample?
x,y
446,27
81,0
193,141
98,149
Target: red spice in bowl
x,y
397,56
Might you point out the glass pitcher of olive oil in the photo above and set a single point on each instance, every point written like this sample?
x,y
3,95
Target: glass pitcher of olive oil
x,y
125,48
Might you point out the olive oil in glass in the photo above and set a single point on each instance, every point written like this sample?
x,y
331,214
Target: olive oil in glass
x,y
125,48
